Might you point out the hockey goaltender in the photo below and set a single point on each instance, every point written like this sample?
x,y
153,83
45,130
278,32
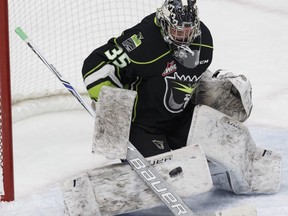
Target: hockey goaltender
x,y
152,90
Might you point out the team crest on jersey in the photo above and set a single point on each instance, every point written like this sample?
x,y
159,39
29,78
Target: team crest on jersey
x,y
133,42
170,68
178,91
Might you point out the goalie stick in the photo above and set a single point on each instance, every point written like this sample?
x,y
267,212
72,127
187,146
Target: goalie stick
x,y
134,158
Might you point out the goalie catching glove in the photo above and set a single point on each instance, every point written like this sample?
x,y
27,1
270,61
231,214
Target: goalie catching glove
x,y
228,93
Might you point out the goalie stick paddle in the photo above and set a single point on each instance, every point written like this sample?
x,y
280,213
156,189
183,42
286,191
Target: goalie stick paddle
x,y
142,167
151,177
134,158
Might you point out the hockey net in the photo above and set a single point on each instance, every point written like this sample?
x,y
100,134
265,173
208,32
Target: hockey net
x,y
66,31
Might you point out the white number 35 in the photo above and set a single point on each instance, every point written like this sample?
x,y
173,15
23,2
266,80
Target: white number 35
x,y
118,57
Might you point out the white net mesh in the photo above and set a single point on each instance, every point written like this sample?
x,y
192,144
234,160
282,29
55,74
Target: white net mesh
x,y
66,31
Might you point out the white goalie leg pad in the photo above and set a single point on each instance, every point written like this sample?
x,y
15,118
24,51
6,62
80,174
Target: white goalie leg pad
x,y
266,174
112,122
267,167
236,164
79,197
118,189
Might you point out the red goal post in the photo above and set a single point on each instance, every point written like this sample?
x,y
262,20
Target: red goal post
x,y
6,149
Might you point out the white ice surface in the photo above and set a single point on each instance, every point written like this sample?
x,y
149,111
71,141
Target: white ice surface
x,y
250,37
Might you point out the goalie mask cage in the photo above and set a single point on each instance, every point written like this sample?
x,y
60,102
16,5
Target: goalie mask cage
x,y
66,31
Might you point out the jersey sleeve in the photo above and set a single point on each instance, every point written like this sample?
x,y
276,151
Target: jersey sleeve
x,y
104,67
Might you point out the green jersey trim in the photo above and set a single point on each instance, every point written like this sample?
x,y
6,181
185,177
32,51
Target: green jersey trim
x,y
203,45
136,100
153,60
95,90
161,56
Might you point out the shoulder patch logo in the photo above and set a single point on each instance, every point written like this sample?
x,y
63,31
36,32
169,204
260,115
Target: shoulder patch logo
x,y
133,42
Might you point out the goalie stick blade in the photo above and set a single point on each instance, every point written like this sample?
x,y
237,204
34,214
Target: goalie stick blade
x,y
237,211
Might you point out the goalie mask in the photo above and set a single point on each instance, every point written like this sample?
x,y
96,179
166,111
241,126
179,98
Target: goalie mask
x,y
180,25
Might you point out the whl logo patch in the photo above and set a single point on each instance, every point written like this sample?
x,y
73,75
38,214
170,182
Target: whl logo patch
x,y
178,91
170,68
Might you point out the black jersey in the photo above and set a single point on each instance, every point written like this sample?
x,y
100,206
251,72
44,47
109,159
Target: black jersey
x,y
141,60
